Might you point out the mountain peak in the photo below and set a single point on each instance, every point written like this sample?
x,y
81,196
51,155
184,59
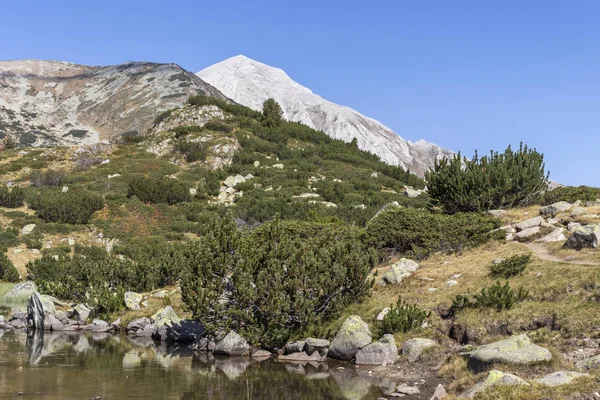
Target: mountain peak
x,y
250,82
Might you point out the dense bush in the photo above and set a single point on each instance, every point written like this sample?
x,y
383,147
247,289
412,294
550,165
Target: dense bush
x,y
403,317
232,108
9,142
287,277
511,266
72,207
418,233
158,189
496,181
498,296
8,272
49,177
182,131
571,194
192,151
218,126
272,113
11,198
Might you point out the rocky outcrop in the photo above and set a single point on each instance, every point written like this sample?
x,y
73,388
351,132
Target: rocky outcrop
x,y
586,237
516,350
352,336
383,351
232,345
494,378
413,348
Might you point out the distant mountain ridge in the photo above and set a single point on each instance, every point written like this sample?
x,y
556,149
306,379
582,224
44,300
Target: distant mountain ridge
x,y
250,83
61,103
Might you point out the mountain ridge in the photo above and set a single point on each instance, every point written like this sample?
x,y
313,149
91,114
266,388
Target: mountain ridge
x,y
250,82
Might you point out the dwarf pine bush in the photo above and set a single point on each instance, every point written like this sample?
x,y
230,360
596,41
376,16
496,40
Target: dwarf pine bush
x,y
403,317
510,267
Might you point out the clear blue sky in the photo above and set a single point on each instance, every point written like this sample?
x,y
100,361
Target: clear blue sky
x,y
464,74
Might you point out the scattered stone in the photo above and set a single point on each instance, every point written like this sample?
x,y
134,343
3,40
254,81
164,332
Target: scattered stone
x,y
588,364
193,191
161,294
553,221
517,350
412,193
81,312
496,213
560,378
317,345
413,348
113,176
232,181
99,325
400,270
586,237
261,354
573,226
383,351
439,393
306,195
277,166
232,345
556,236
116,325
352,336
373,174
27,229
295,347
65,189
529,223
529,232
133,300
382,314
256,164
552,210
451,283
407,390
105,162
494,378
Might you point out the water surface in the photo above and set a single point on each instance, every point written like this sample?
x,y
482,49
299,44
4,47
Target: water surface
x,y
63,366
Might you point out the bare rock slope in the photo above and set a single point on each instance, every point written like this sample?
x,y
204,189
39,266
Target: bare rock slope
x,y
60,103
250,83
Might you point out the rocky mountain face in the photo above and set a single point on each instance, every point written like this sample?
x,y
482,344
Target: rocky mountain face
x,y
60,103
250,83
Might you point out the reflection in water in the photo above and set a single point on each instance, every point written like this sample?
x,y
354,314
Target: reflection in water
x,y
70,365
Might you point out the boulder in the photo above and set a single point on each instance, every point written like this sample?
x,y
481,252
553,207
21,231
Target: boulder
x,y
232,345
352,336
51,323
588,364
296,347
529,223
35,311
556,236
180,332
99,325
412,193
527,233
141,327
383,351
24,289
577,212
516,350
116,325
27,229
552,210
165,316
81,312
133,300
320,346
494,378
573,226
62,317
413,348
302,357
407,390
496,213
399,271
560,378
48,303
586,237
382,314
261,354
232,181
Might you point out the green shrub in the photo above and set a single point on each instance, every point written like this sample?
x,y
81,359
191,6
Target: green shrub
x,y
192,151
162,116
182,131
272,113
403,317
49,177
571,194
218,126
8,272
8,239
510,267
287,277
498,296
72,207
418,233
506,180
158,189
11,198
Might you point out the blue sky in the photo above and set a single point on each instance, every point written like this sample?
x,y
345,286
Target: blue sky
x,y
463,74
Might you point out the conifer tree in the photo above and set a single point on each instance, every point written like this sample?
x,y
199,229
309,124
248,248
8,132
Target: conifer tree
x,y
272,113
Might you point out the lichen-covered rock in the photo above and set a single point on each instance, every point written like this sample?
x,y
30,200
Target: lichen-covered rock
x,y
313,345
413,348
556,236
439,393
588,364
133,300
560,378
24,290
232,345
494,378
141,327
352,336
552,210
296,347
383,351
517,350
527,233
81,312
399,271
165,316
496,213
232,181
27,229
586,237
382,314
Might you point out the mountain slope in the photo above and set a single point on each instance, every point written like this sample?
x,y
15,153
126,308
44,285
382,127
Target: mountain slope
x,y
250,83
52,102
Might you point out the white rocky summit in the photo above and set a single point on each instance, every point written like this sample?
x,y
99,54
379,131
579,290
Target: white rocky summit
x,y
250,83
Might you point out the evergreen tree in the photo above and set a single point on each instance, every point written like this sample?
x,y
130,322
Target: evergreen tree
x,y
272,113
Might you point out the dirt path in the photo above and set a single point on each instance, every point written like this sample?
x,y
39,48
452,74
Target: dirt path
x,y
542,252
